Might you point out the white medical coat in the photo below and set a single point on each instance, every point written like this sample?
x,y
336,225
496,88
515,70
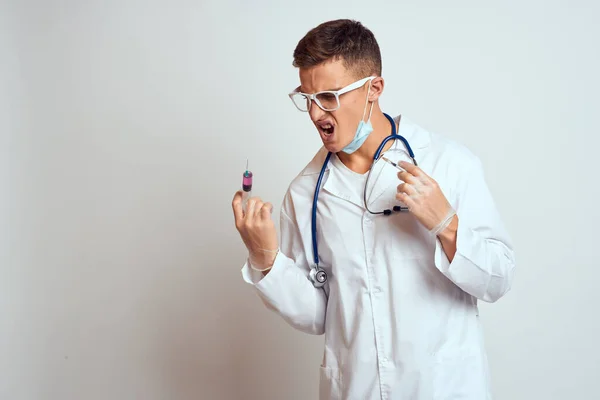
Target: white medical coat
x,y
400,321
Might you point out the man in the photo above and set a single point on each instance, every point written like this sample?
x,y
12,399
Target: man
x,y
399,306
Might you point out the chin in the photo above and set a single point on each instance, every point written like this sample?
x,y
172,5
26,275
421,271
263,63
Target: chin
x,y
333,144
333,147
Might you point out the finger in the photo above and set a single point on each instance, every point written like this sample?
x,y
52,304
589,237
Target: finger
x,y
253,213
406,177
250,209
407,188
236,205
266,211
412,169
406,199
258,209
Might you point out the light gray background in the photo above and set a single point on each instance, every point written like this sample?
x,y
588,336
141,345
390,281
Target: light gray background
x,y
125,129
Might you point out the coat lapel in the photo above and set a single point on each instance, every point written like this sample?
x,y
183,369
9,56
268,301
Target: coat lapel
x,y
338,186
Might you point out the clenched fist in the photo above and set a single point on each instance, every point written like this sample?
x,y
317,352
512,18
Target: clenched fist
x,y
257,230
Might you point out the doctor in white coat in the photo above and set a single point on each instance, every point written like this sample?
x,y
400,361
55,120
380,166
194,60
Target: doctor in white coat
x,y
399,306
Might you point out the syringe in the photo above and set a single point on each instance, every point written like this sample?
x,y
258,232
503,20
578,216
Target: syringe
x,y
246,187
392,163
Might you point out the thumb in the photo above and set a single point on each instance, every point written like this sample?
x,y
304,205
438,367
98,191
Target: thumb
x,y
236,204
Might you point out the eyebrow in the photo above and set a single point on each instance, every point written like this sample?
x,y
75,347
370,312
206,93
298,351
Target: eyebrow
x,y
299,89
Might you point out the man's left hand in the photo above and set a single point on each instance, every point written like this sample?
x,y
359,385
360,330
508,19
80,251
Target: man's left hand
x,y
422,195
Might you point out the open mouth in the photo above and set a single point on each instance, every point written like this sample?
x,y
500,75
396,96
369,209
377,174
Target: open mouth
x,y
326,128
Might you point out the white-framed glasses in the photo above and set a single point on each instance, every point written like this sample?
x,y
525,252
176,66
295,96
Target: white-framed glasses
x,y
328,100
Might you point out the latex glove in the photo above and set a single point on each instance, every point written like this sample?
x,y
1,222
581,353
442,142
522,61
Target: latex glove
x,y
424,198
257,230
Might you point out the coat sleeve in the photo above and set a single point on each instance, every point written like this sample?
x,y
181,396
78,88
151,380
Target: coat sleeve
x,y
484,263
286,289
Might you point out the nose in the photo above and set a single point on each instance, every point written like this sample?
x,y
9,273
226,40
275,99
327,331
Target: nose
x,y
316,113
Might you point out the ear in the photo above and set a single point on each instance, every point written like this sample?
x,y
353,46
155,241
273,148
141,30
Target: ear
x,y
377,85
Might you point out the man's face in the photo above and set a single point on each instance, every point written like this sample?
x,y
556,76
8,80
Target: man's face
x,y
336,128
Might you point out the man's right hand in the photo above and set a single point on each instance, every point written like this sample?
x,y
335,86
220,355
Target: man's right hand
x,y
256,229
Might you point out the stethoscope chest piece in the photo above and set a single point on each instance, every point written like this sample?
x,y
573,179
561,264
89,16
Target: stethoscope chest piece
x,y
318,276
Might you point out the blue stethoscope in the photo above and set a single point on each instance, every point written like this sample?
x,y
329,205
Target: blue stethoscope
x,y
317,274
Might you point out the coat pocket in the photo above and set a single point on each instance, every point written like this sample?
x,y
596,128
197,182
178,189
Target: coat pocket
x,y
330,384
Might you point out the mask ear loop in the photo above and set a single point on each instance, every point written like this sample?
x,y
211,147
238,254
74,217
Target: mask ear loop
x,y
367,103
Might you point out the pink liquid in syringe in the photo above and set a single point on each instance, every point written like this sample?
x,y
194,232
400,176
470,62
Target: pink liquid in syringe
x,y
247,181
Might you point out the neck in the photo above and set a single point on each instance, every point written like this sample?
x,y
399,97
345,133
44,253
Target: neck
x,y
360,161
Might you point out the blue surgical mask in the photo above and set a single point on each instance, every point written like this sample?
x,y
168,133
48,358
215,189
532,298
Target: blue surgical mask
x,y
363,130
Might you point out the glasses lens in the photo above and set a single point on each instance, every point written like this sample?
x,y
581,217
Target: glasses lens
x,y
301,101
328,101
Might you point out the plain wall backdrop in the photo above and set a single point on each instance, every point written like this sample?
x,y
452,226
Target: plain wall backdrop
x,y
126,126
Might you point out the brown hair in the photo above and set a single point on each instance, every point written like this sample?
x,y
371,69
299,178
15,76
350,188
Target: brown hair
x,y
343,39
